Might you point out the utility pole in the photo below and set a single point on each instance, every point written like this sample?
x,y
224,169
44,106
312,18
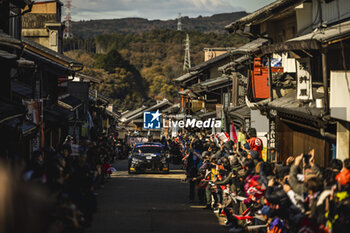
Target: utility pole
x,y
67,34
179,24
187,61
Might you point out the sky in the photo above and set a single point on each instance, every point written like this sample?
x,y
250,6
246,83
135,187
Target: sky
x,y
158,9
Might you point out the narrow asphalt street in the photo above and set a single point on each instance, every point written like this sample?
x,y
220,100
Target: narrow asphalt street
x,y
150,203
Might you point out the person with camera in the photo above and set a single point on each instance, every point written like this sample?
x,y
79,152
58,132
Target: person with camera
x,y
309,170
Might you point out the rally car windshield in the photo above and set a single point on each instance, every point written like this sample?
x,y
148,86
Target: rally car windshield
x,y
148,149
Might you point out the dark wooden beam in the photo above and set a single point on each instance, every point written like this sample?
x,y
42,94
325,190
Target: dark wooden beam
x,y
325,80
270,78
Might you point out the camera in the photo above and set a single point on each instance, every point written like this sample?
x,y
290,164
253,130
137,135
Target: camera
x,y
286,181
306,158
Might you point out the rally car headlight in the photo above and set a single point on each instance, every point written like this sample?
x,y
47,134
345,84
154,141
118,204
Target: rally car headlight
x,y
135,160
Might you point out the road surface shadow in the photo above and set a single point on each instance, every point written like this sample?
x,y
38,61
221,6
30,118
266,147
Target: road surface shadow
x,y
143,203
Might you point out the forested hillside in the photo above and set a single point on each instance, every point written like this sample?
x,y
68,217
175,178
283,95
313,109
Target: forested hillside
x,y
215,23
136,67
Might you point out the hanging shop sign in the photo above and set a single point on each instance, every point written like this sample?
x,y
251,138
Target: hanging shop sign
x,y
304,85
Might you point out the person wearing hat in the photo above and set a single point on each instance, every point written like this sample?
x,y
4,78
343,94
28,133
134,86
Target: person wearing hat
x,y
265,212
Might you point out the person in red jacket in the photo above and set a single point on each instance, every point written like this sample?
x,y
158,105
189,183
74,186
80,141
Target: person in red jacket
x,y
254,142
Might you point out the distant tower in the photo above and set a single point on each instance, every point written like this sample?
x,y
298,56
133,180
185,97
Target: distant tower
x,y
187,62
68,19
179,24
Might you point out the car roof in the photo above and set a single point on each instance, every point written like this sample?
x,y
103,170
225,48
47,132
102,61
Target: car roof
x,y
148,144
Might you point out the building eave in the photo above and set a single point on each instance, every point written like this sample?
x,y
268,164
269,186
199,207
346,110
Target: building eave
x,y
263,14
313,40
52,55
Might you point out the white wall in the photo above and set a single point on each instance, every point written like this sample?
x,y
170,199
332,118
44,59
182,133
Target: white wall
x,y
304,18
340,109
340,95
261,124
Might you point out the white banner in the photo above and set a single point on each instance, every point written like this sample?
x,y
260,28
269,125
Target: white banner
x,y
304,85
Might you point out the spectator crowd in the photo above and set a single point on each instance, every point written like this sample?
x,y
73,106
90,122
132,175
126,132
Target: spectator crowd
x,y
56,190
253,195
